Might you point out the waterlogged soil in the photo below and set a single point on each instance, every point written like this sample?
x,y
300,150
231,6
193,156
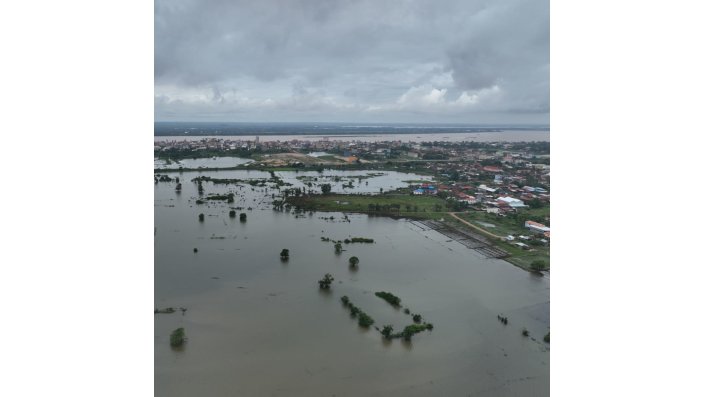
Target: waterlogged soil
x,y
257,326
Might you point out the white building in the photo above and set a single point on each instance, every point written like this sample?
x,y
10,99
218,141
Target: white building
x,y
536,227
512,202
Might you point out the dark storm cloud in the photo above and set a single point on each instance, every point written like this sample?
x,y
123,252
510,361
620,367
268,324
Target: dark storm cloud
x,y
352,60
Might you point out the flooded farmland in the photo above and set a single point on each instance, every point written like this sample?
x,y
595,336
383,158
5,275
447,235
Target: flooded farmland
x,y
260,326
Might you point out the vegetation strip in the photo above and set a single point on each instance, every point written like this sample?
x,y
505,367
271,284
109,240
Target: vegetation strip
x,y
389,297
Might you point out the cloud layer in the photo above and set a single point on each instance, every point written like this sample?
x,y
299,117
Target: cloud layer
x,y
355,60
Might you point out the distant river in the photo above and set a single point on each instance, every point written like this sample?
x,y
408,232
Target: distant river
x,y
502,136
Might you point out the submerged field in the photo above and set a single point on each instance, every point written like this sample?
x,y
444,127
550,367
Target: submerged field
x,y
256,324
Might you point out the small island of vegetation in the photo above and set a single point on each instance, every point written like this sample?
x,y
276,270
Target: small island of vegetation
x,y
389,297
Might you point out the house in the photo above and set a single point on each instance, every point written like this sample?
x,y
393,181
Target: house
x,y
418,191
491,168
487,189
512,202
536,227
466,198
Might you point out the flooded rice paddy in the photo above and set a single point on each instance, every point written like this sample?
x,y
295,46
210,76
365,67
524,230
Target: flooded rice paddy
x,y
257,326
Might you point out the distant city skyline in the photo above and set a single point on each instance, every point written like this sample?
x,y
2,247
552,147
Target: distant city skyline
x,y
465,61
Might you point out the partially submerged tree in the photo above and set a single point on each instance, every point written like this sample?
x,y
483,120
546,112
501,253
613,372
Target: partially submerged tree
x,y
284,255
177,337
201,217
353,261
243,217
326,281
387,331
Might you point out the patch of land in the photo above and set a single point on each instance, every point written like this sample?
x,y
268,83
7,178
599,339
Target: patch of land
x,y
388,204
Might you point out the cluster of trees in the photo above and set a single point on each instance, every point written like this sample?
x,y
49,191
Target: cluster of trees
x,y
230,198
169,310
363,319
358,240
502,319
389,297
408,331
162,178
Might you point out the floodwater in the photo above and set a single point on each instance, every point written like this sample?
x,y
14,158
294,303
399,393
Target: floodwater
x,y
257,326
207,162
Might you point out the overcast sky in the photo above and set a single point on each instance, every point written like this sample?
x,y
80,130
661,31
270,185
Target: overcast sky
x,y
466,61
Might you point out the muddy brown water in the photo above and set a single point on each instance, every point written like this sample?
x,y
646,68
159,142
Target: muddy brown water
x,y
257,326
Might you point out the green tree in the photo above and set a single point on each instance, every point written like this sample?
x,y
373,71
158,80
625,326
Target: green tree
x,y
387,331
326,281
177,337
325,188
353,261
